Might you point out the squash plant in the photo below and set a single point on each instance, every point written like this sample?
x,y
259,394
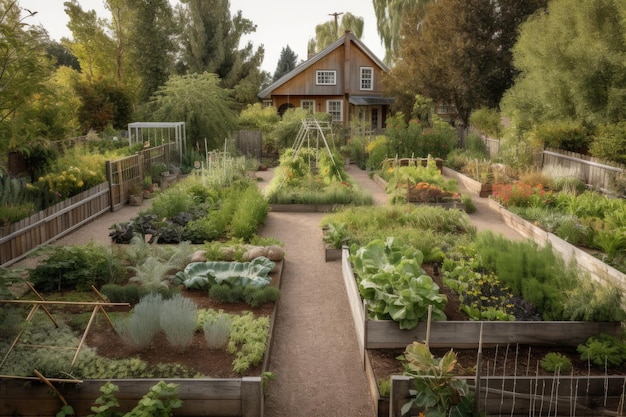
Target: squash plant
x,y
391,279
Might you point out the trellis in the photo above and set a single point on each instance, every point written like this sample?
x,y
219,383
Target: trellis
x,y
41,303
311,131
158,133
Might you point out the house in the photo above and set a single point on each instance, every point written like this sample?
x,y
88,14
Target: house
x,y
343,80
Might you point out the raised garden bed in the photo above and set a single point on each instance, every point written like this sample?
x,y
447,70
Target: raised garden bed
x,y
482,189
207,396
570,253
376,336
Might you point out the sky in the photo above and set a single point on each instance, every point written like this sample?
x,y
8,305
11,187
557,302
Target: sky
x,y
279,22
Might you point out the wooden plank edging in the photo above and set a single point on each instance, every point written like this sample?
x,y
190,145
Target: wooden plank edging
x,y
386,334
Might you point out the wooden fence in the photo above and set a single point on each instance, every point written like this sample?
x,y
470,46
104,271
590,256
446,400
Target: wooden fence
x,y
594,172
52,223
20,238
122,174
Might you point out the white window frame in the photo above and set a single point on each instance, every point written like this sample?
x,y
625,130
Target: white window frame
x,y
325,77
337,115
367,78
308,105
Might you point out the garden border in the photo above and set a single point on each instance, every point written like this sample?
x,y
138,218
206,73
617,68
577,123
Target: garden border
x,y
201,396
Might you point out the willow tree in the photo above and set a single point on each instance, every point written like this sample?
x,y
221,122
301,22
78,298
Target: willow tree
x,y
201,102
390,15
328,32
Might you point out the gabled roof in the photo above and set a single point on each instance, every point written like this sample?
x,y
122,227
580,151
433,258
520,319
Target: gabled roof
x,y
266,92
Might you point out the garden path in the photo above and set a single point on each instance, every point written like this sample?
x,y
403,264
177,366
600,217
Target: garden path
x,y
314,355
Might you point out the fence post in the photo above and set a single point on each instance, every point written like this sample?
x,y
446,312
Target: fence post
x,y
109,176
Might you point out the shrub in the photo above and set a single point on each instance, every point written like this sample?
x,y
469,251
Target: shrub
x,y
152,274
255,297
143,324
217,330
487,121
178,321
129,293
569,136
556,362
76,267
608,143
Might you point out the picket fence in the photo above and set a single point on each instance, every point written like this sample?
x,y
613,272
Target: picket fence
x,y
19,239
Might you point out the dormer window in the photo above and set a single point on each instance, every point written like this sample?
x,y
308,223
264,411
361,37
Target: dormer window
x,y
367,78
325,77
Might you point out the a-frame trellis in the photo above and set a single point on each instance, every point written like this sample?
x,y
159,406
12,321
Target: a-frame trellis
x,y
312,134
98,306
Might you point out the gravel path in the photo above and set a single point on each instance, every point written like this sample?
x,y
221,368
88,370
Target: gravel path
x,y
315,356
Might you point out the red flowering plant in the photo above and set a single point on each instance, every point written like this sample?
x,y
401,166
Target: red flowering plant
x,y
520,194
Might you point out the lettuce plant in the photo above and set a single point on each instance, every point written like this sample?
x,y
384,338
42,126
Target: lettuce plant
x,y
391,279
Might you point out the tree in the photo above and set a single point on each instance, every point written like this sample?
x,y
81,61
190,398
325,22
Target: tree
x,y
22,60
390,15
148,30
200,101
572,64
455,51
287,62
61,55
210,43
91,45
328,32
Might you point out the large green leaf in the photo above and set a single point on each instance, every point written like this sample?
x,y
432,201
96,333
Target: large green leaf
x,y
202,275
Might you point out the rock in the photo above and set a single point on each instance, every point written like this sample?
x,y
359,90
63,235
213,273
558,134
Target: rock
x,y
198,256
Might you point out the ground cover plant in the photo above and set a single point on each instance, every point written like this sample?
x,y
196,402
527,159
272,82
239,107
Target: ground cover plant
x,y
312,176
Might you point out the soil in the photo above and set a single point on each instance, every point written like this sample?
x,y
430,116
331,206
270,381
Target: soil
x,y
214,363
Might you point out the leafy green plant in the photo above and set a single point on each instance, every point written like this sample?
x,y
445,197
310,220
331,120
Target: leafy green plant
x,y
436,390
249,214
603,351
556,362
391,280
248,340
152,274
202,275
335,235
76,267
158,402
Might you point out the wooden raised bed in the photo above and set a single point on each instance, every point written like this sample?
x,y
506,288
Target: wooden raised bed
x,y
200,397
570,253
512,395
482,189
524,396
385,334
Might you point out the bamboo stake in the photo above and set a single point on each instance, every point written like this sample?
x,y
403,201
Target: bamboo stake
x,y
82,340
52,387
31,313
32,378
32,288
103,298
478,370
430,316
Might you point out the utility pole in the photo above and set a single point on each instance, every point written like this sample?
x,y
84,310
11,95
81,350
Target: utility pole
x,y
336,15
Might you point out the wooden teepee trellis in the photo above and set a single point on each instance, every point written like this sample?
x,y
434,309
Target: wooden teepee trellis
x,y
312,134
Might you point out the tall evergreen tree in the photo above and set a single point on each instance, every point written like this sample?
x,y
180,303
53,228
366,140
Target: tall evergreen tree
x,y
287,62
151,49
210,43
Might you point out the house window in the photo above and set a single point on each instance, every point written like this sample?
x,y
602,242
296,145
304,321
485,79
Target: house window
x,y
308,105
267,103
335,109
374,119
324,77
445,108
367,78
